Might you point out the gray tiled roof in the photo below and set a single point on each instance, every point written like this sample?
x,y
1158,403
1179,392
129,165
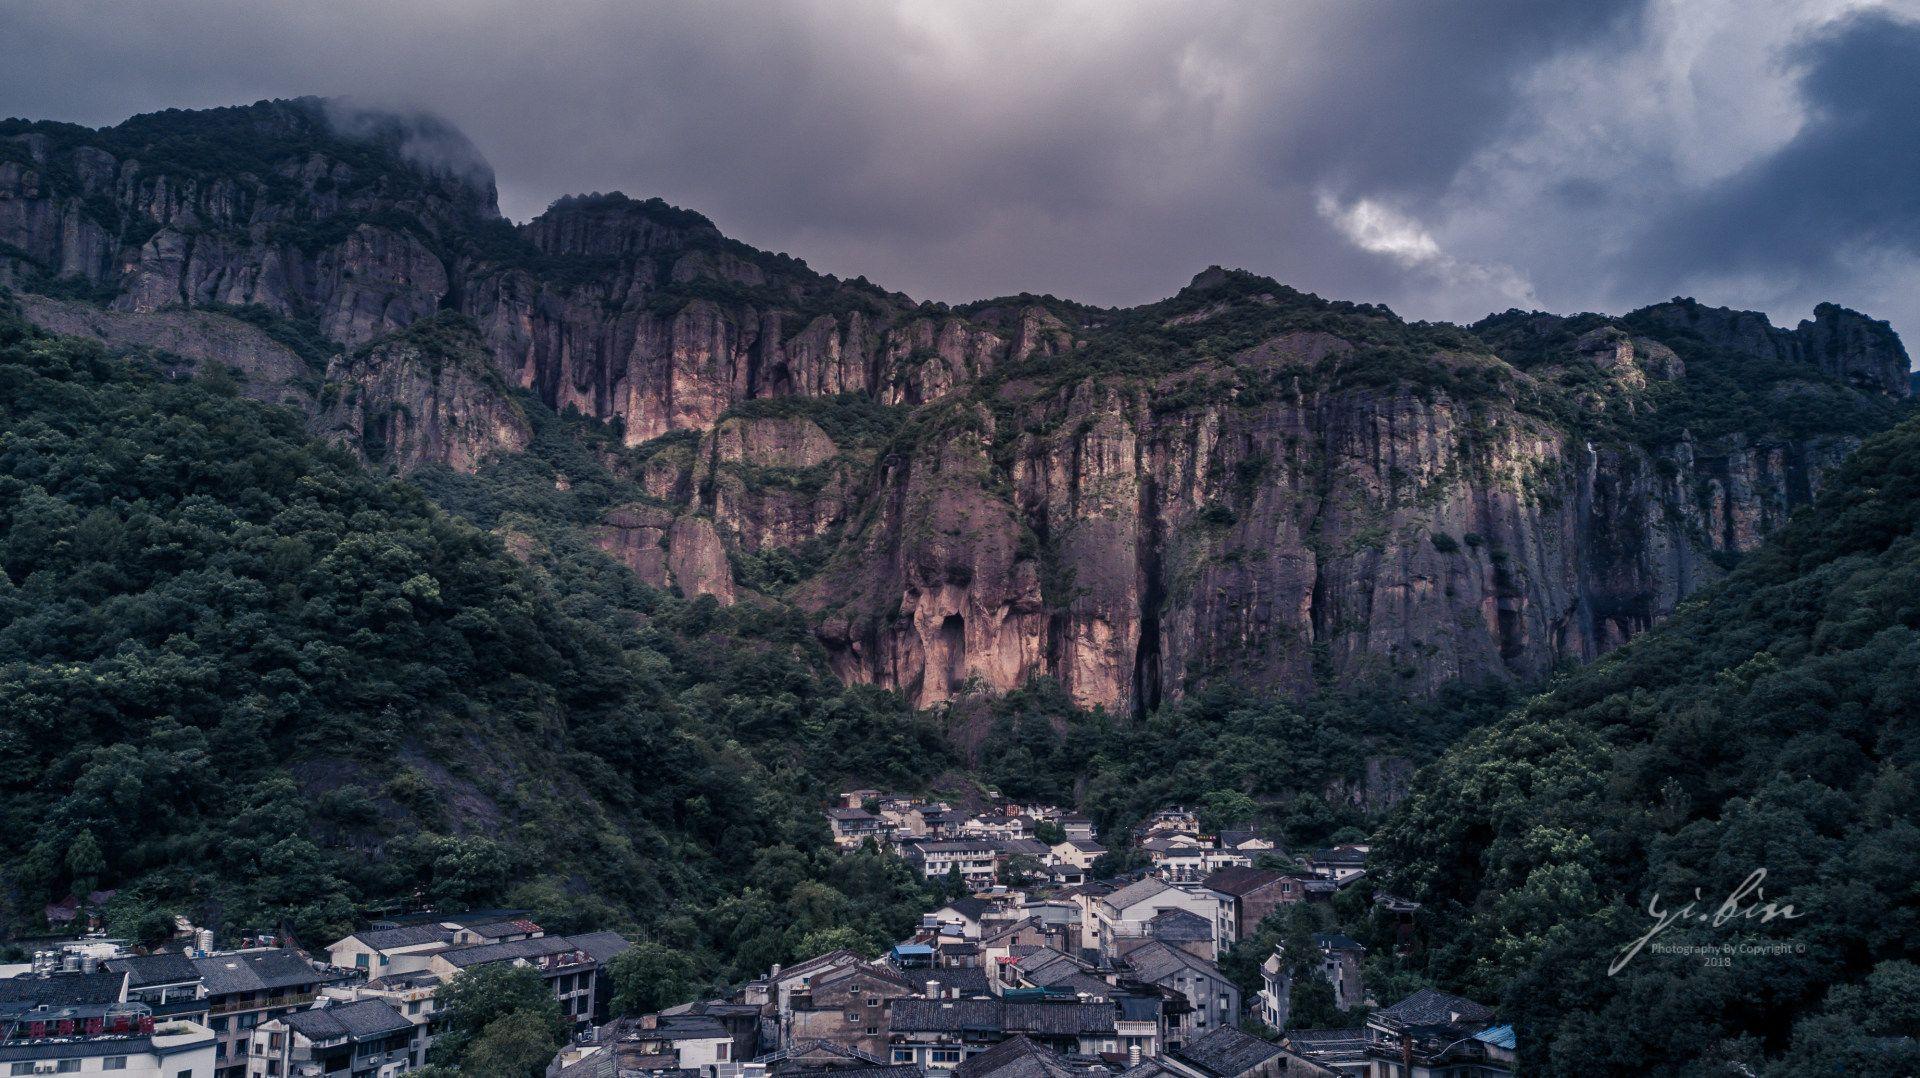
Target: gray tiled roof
x,y
1137,891
1018,1057
967,980
1240,881
1180,926
481,954
63,989
145,969
1429,1007
992,1015
364,1020
256,971
684,1027
1227,1052
1156,962
603,946
970,908
382,939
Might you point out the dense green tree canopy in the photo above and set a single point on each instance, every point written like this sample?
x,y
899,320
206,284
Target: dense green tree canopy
x,y
1771,724
243,679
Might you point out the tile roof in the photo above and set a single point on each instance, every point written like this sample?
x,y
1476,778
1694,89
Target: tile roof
x,y
1314,1038
1226,1052
518,926
831,960
603,946
966,980
1137,891
1018,1057
149,969
992,1015
684,1027
1337,941
1180,926
482,953
63,989
970,908
256,971
1152,1068
364,1020
1428,1007
877,970
1241,881
869,1070
384,939
1157,962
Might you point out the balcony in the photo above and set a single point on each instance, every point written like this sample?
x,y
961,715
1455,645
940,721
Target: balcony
x,y
239,1005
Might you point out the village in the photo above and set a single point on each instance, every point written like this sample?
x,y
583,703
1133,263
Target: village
x,y
1032,968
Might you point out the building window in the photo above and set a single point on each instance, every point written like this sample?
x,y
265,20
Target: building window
x,y
721,1051
903,1055
20,1068
946,1055
66,1066
114,1063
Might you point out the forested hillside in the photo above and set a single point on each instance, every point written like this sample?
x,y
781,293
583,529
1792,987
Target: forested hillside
x,y
1774,723
244,679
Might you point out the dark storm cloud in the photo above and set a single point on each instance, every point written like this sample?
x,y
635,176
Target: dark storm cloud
x,y
1847,186
1448,159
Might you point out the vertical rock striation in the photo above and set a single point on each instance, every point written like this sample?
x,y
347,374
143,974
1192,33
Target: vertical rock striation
x,y
1240,482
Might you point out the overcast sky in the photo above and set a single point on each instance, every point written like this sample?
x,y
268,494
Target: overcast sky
x,y
1447,159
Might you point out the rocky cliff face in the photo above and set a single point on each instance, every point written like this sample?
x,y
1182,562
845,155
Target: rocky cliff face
x,y
428,394
1239,482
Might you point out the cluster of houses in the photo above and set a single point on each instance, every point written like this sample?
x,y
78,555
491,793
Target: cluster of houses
x,y
1051,974
1032,841
1095,981
1038,971
365,1008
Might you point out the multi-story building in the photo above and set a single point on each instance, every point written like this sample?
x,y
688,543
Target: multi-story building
x,y
1128,912
1214,998
976,860
573,966
1255,893
568,969
1432,1034
61,1023
850,1007
939,1034
369,1038
1338,963
169,984
246,988
853,826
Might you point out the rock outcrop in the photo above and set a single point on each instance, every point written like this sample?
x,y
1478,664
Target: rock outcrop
x,y
428,394
668,549
1241,482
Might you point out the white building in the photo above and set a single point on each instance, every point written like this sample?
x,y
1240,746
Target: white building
x,y
78,1022
1125,913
